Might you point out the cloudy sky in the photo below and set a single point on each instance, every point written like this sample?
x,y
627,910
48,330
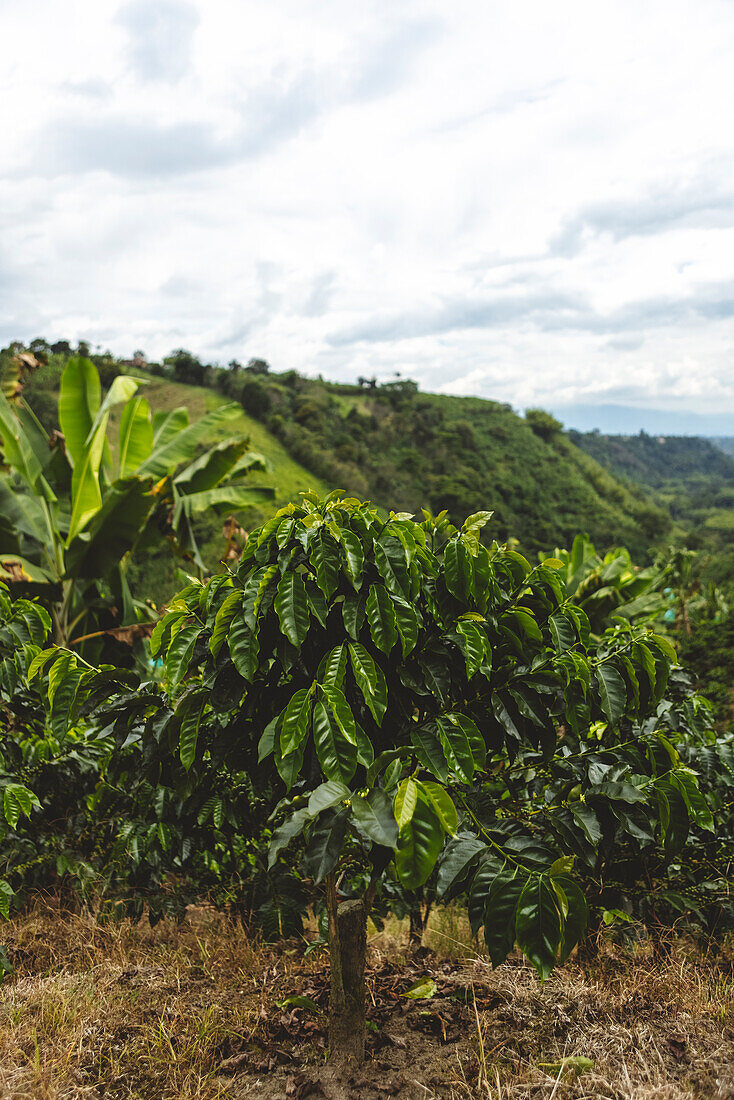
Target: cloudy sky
x,y
527,201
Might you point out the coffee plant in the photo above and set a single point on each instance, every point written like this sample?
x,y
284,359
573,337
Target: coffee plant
x,y
400,702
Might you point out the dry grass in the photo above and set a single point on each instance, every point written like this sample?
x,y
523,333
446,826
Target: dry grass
x,y
128,1011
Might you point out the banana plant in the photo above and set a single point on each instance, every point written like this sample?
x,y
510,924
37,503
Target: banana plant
x,y
78,505
611,586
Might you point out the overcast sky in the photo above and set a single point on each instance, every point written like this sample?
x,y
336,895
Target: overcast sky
x,y
528,201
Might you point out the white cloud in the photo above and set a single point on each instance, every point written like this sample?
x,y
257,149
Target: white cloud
x,y
530,202
161,34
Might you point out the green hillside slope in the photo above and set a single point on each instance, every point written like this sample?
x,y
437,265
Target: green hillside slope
x,y
404,450
691,477
408,450
658,460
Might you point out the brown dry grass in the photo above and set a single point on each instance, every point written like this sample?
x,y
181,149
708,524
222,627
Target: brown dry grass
x,y
128,1011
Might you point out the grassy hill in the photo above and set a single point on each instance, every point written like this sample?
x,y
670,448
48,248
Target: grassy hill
x,y
403,449
407,450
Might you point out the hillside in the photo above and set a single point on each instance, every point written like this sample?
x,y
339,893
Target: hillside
x,y
405,450
657,461
693,478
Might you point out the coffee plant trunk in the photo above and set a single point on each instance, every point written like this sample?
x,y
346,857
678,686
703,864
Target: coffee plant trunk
x,y
418,922
347,948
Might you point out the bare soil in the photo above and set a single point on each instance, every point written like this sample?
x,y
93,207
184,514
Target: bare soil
x,y
130,1012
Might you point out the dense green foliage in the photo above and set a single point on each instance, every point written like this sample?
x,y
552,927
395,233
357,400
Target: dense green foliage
x,y
77,505
365,656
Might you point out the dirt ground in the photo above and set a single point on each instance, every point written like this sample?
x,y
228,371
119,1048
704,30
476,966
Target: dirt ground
x,y
130,1012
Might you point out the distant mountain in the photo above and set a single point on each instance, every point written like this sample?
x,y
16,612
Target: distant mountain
x,y
659,460
629,420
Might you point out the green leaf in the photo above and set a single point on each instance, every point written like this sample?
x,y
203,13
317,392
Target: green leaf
x,y
538,924
160,638
58,672
474,644
442,805
255,588
80,395
665,645
325,557
588,822
391,563
176,442
421,841
406,800
136,436
365,748
487,869
474,738
577,916
286,832
18,453
612,692
457,857
297,1000
573,1064
429,751
244,647
295,720
374,815
562,631
17,800
266,743
352,613
370,680
227,459
407,622
381,617
6,895
422,990
289,767
180,652
456,748
64,698
229,607
325,845
333,667
353,554
457,567
500,914
341,711
86,494
337,756
327,795
292,608
189,734
698,809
